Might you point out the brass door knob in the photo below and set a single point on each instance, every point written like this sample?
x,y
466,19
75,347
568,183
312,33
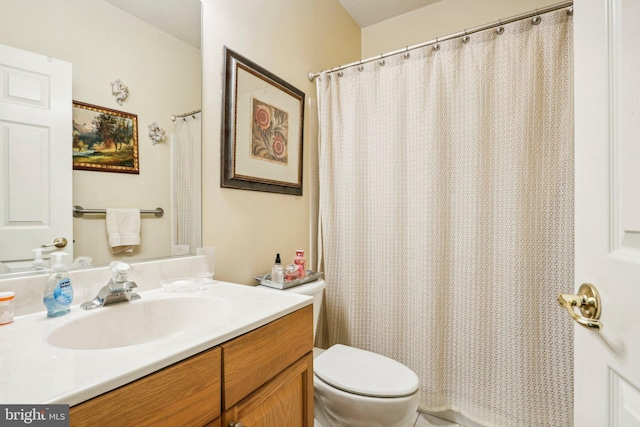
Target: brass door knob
x,y
589,303
58,242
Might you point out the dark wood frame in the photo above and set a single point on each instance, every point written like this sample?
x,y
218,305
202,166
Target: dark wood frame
x,y
229,177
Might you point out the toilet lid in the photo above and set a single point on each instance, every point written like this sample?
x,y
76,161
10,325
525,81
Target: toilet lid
x,y
365,373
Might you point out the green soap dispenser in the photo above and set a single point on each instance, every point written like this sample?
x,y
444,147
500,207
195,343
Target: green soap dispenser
x,y
58,294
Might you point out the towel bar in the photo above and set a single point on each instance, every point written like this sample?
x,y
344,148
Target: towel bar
x,y
79,211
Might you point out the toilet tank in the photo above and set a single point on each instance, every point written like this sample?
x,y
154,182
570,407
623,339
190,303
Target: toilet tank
x,y
313,289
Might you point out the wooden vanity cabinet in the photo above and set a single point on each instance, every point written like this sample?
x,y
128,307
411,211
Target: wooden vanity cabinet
x,y
286,400
263,378
184,394
268,374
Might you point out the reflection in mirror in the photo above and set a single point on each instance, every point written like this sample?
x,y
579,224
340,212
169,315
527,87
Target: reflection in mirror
x,y
104,43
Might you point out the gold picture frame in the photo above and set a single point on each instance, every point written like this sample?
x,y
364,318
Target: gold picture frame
x,y
104,140
262,129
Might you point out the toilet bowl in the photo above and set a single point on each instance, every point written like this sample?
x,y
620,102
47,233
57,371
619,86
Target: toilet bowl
x,y
355,387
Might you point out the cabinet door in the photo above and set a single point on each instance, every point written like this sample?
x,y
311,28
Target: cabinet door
x,y
258,356
184,394
286,400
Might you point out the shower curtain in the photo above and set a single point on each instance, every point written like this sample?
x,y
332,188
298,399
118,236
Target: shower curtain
x,y
186,193
446,216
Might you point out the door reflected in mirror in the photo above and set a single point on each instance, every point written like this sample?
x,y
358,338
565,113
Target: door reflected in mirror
x,y
101,43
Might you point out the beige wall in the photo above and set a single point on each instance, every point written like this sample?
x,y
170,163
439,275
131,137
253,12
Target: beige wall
x,y
440,19
163,75
288,38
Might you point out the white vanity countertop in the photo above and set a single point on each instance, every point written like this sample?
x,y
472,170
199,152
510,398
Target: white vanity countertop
x,y
34,372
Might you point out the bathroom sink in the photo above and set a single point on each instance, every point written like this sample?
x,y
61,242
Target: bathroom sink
x,y
138,322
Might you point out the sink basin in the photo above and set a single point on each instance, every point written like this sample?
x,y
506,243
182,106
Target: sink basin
x,y
138,322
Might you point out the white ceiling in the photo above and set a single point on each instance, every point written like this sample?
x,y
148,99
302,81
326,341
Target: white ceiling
x,y
369,12
181,18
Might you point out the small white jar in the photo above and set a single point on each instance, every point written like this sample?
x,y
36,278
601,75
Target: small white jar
x,y
6,307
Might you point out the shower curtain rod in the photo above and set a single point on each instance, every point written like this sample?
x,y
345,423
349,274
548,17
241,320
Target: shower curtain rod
x,y
533,14
181,116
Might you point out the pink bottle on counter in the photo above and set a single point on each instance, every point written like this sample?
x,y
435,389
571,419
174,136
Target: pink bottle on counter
x,y
299,260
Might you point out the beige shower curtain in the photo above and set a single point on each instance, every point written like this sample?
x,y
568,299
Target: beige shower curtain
x,y
186,199
446,215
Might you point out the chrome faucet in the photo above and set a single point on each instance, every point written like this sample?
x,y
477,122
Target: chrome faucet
x,y
118,289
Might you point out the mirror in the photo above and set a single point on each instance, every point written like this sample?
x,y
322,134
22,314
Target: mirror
x,y
162,71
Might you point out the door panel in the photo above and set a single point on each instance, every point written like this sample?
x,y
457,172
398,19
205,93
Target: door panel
x,y
625,98
607,198
25,87
27,166
625,399
35,155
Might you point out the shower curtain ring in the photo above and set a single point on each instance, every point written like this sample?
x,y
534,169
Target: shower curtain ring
x,y
466,38
381,62
500,28
436,46
340,73
570,11
407,55
360,67
536,19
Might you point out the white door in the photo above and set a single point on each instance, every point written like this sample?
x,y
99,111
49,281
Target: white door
x,y
35,154
607,215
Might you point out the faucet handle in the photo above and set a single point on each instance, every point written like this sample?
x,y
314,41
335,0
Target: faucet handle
x,y
116,287
129,285
120,271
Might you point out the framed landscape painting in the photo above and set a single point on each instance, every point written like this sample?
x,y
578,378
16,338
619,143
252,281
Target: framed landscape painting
x,y
104,140
262,126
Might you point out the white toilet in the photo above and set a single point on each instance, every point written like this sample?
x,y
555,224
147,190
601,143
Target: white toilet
x,y
358,388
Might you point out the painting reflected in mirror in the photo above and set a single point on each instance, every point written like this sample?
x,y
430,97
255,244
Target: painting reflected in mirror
x,y
104,139
104,43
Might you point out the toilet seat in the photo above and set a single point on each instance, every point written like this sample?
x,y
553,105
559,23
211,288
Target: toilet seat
x,y
364,373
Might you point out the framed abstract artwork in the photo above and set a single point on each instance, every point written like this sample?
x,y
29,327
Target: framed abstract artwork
x,y
262,128
104,140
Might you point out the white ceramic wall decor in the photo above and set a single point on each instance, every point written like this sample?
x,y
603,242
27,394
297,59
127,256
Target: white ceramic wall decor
x,y
156,134
120,91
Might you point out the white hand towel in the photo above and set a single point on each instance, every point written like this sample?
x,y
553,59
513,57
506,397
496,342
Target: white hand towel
x,y
123,229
